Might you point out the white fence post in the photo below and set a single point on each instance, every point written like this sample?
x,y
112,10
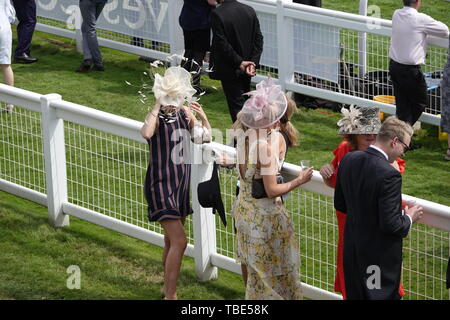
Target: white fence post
x,y
55,161
175,31
285,47
204,221
362,41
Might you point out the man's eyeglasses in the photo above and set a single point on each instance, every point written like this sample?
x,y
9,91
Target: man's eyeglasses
x,y
405,146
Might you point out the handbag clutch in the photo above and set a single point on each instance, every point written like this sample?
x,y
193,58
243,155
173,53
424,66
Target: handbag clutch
x,y
258,190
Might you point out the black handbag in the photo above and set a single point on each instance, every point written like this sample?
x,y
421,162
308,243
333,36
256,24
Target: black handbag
x,y
258,190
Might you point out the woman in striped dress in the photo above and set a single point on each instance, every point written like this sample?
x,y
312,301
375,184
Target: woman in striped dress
x,y
167,130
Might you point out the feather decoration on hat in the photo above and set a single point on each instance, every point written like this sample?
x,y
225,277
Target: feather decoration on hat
x,y
351,120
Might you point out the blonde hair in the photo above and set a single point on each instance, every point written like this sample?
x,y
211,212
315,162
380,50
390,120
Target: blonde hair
x,y
286,124
394,127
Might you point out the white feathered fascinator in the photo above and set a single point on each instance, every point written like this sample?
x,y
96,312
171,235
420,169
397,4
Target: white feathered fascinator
x,y
174,88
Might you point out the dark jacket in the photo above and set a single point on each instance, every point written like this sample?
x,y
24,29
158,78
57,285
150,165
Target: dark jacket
x,y
316,3
236,37
195,15
368,189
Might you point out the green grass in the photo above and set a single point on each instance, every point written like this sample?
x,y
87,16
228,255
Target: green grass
x,y
35,256
438,9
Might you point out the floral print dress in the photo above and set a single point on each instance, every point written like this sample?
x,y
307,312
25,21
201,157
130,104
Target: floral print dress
x,y
266,243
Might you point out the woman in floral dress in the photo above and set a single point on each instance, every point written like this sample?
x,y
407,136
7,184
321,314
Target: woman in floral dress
x,y
265,234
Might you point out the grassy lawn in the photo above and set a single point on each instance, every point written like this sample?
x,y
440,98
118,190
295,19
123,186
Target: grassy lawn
x,y
35,256
438,9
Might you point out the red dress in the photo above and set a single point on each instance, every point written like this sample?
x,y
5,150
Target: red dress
x,y
339,283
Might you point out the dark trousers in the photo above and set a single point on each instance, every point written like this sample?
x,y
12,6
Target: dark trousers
x,y
234,90
90,11
410,90
316,3
26,14
196,44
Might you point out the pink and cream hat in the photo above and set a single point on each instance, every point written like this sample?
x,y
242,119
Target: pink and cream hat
x,y
266,105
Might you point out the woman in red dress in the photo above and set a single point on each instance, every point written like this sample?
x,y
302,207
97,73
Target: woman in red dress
x,y
359,128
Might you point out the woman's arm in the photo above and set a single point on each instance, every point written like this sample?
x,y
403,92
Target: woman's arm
x,y
151,122
196,107
269,172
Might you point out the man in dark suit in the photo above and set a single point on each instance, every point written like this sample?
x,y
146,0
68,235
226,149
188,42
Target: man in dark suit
x,y
26,14
368,189
236,50
315,3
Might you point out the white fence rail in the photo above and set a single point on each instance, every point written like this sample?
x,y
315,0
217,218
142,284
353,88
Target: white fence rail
x,y
313,51
91,164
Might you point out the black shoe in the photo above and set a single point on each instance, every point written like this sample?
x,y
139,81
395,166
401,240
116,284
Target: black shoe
x,y
98,67
85,66
24,58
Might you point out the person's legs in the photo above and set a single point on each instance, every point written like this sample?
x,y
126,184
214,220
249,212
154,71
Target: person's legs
x,y
234,90
8,75
26,14
138,42
418,96
90,12
174,231
401,91
8,78
196,44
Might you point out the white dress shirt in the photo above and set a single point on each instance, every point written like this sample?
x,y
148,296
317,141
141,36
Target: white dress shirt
x,y
409,32
387,158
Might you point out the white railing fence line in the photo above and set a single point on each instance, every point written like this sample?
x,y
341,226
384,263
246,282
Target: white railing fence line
x,y
359,71
99,191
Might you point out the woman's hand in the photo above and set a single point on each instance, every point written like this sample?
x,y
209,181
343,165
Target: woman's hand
x,y
327,171
305,176
197,108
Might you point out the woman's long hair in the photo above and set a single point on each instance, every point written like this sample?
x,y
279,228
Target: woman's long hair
x,y
286,125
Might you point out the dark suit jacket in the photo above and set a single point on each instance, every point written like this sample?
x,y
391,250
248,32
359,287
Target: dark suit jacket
x,y
236,37
316,3
368,189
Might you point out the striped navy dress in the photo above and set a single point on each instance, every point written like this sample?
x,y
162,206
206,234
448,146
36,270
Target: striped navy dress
x,y
167,182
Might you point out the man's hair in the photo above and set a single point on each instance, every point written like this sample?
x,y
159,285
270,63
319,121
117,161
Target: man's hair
x,y
409,3
394,127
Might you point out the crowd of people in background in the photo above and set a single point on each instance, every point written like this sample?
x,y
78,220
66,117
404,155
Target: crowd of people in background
x,y
365,172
